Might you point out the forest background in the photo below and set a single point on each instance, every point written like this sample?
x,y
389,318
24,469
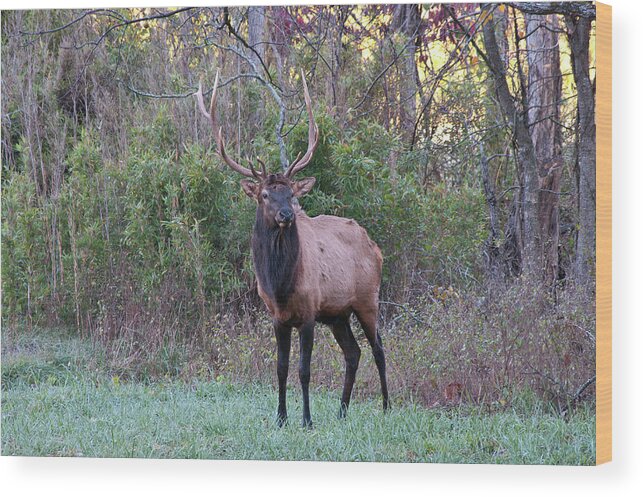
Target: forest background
x,y
461,137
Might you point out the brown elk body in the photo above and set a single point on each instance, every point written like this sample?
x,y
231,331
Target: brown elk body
x,y
321,269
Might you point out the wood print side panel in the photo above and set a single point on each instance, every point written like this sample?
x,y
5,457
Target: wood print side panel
x,y
603,233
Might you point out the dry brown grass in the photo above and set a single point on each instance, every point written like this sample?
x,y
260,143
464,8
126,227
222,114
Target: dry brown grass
x,y
443,348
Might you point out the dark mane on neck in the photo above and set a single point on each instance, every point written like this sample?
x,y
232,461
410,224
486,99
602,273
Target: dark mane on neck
x,y
275,253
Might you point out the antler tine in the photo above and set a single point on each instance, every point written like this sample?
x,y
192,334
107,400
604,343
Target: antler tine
x,y
254,172
263,167
259,175
218,130
296,159
201,104
313,135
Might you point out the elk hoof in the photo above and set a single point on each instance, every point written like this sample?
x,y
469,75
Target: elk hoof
x,y
281,420
307,423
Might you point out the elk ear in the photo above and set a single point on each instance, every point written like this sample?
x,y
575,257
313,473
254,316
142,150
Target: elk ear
x,y
250,188
303,186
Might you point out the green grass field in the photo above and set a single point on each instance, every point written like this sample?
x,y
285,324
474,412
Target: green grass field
x,y
53,404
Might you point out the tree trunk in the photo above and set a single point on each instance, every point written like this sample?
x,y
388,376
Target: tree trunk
x,y
543,97
256,41
256,32
406,21
579,34
526,254
74,253
492,250
338,17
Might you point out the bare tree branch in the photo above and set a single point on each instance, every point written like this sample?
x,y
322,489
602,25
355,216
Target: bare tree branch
x,y
142,93
276,94
453,56
235,33
96,43
71,23
581,9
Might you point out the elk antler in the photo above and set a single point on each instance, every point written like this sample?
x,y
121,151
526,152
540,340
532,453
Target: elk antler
x,y
313,136
218,131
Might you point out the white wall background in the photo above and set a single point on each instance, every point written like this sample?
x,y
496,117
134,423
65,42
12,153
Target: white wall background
x,y
624,476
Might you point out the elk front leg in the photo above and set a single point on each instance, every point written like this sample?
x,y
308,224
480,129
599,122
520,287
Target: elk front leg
x,y
283,335
306,336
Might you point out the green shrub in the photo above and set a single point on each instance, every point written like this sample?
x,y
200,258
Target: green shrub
x,y
24,267
436,233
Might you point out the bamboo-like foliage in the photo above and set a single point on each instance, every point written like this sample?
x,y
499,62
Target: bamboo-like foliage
x,y
114,199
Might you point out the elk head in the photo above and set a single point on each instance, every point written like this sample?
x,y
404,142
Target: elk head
x,y
276,194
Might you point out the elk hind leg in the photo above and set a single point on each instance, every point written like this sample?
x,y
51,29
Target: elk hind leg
x,y
343,334
368,320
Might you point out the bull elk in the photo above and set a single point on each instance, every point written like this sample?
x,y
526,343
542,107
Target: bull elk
x,y
320,269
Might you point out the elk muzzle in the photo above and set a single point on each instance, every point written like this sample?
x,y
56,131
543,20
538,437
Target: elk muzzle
x,y
285,217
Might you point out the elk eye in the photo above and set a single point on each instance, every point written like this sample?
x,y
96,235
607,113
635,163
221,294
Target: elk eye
x,y
264,195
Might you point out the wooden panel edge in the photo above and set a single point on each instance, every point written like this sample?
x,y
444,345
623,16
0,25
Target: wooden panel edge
x,y
603,233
